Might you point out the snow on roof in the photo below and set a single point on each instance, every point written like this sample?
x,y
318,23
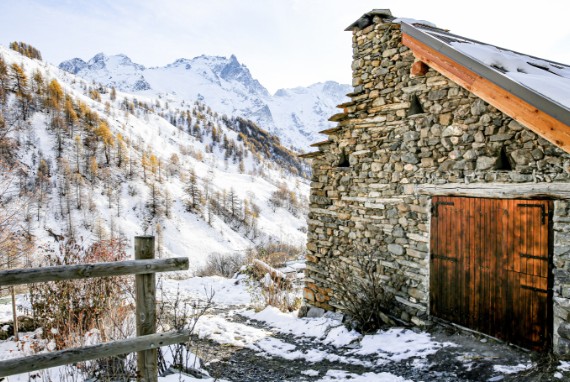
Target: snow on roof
x,y
550,79
547,78
400,20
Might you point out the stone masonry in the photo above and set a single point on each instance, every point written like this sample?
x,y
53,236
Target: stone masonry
x,y
366,193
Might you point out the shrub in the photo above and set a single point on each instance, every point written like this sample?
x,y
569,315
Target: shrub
x,y
219,264
270,286
70,310
367,293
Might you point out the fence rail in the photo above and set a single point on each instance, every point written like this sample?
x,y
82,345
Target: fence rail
x,y
84,271
147,341
110,349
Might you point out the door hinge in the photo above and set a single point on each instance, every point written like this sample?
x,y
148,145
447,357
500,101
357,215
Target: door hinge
x,y
437,204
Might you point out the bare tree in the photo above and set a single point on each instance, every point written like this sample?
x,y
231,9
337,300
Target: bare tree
x,y
15,242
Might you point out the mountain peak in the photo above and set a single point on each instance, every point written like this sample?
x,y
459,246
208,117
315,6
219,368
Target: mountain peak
x,y
73,66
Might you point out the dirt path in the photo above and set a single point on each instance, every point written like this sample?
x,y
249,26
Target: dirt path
x,y
468,357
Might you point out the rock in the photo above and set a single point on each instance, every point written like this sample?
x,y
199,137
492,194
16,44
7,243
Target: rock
x,y
452,131
314,312
411,136
537,154
501,137
445,119
389,52
470,155
479,137
478,107
522,157
396,249
410,158
564,330
486,163
515,126
435,95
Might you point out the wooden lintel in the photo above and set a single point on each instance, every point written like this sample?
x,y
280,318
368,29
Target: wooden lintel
x,y
557,190
538,121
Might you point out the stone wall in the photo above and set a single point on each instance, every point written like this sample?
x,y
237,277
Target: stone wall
x,y
364,193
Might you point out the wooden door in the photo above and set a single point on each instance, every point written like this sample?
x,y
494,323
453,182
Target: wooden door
x,y
490,267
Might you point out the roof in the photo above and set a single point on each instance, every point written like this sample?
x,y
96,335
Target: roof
x,y
542,83
531,90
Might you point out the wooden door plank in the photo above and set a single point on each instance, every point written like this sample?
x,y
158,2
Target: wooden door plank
x,y
474,248
488,261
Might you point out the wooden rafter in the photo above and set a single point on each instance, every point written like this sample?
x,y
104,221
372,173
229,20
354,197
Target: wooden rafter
x,y
538,121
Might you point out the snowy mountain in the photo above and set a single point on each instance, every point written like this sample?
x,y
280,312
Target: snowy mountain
x,y
227,86
104,164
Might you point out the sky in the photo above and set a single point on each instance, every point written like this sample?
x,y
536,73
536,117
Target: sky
x,y
284,43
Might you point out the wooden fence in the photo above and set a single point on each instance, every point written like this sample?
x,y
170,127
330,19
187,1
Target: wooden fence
x,y
147,340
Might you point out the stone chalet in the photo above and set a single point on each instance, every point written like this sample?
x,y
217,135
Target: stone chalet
x,y
451,164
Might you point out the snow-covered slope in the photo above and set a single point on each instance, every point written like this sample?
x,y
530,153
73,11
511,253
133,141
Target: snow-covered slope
x,y
295,115
102,185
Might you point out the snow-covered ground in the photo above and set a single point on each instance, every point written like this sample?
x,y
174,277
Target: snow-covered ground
x,y
322,349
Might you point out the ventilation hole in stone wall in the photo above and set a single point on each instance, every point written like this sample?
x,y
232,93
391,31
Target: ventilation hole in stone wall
x,y
503,162
343,160
415,106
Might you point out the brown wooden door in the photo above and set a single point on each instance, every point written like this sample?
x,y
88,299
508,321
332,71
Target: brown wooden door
x,y
490,267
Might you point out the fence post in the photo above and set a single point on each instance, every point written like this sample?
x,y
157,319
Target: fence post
x,y
147,360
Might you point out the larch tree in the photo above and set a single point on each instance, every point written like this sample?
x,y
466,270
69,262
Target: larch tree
x,y
55,96
105,135
20,87
15,244
193,202
3,80
70,114
122,152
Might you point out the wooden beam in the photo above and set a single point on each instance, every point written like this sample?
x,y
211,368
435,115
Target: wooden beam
x,y
110,349
556,190
419,68
541,123
145,311
82,271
